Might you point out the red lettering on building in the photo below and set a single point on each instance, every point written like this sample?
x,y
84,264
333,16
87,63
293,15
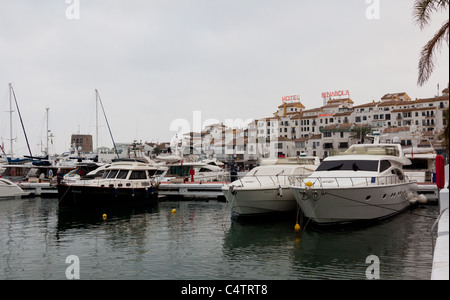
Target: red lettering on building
x,y
336,94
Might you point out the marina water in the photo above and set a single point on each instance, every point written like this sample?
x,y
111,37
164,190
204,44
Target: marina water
x,y
200,241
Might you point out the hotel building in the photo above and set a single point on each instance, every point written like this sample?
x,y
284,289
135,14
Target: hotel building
x,y
294,130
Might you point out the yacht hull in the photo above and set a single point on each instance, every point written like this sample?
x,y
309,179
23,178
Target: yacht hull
x,y
10,190
247,201
93,196
345,205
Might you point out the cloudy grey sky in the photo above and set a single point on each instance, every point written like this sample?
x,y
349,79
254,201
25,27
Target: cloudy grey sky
x,y
154,61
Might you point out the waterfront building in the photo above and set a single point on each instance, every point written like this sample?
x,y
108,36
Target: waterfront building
x,y
294,130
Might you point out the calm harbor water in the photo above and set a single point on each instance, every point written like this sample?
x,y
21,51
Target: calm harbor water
x,y
200,241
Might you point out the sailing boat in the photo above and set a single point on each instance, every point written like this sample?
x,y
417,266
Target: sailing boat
x,y
26,158
124,182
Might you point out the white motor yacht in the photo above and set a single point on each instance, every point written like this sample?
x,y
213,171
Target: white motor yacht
x,y
193,180
10,190
423,170
366,182
265,189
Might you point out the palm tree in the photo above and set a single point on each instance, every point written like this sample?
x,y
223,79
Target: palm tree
x,y
360,132
423,9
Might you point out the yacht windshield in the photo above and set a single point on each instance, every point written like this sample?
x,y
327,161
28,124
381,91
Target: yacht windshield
x,y
349,165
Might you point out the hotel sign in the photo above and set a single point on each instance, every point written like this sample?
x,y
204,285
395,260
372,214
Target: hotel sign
x,y
290,98
336,94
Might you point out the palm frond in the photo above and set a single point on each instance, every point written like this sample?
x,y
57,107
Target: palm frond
x,y
426,62
423,9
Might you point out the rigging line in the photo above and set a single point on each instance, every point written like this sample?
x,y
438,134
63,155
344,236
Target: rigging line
x,y
21,121
379,206
309,219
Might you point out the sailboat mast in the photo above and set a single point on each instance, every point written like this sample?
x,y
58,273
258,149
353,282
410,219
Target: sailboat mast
x,y
10,121
46,149
96,119
21,121
107,123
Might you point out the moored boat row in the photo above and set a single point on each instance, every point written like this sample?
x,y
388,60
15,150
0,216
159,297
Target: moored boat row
x,y
366,182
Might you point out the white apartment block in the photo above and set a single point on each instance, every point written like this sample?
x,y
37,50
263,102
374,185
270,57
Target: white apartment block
x,y
294,130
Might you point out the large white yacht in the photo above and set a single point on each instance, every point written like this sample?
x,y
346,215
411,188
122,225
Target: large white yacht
x,y
366,182
265,189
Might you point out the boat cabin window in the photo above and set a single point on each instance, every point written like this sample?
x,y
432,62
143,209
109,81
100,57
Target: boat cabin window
x,y
159,172
122,174
151,173
112,174
179,170
349,165
384,165
136,175
398,173
205,170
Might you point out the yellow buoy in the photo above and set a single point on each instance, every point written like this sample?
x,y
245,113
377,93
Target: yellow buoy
x,y
174,211
297,227
309,184
104,216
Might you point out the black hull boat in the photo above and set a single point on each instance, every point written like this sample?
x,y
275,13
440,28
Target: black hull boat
x,y
122,183
85,196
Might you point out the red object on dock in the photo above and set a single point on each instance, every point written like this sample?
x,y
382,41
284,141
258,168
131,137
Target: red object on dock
x,y
440,172
192,173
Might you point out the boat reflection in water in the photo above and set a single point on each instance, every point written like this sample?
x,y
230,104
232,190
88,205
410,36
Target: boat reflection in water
x,y
271,249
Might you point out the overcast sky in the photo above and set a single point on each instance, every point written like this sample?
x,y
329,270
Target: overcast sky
x,y
154,61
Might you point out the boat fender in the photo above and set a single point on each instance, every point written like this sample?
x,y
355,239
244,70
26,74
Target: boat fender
x,y
146,192
280,191
315,196
304,195
422,199
233,192
116,192
132,192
